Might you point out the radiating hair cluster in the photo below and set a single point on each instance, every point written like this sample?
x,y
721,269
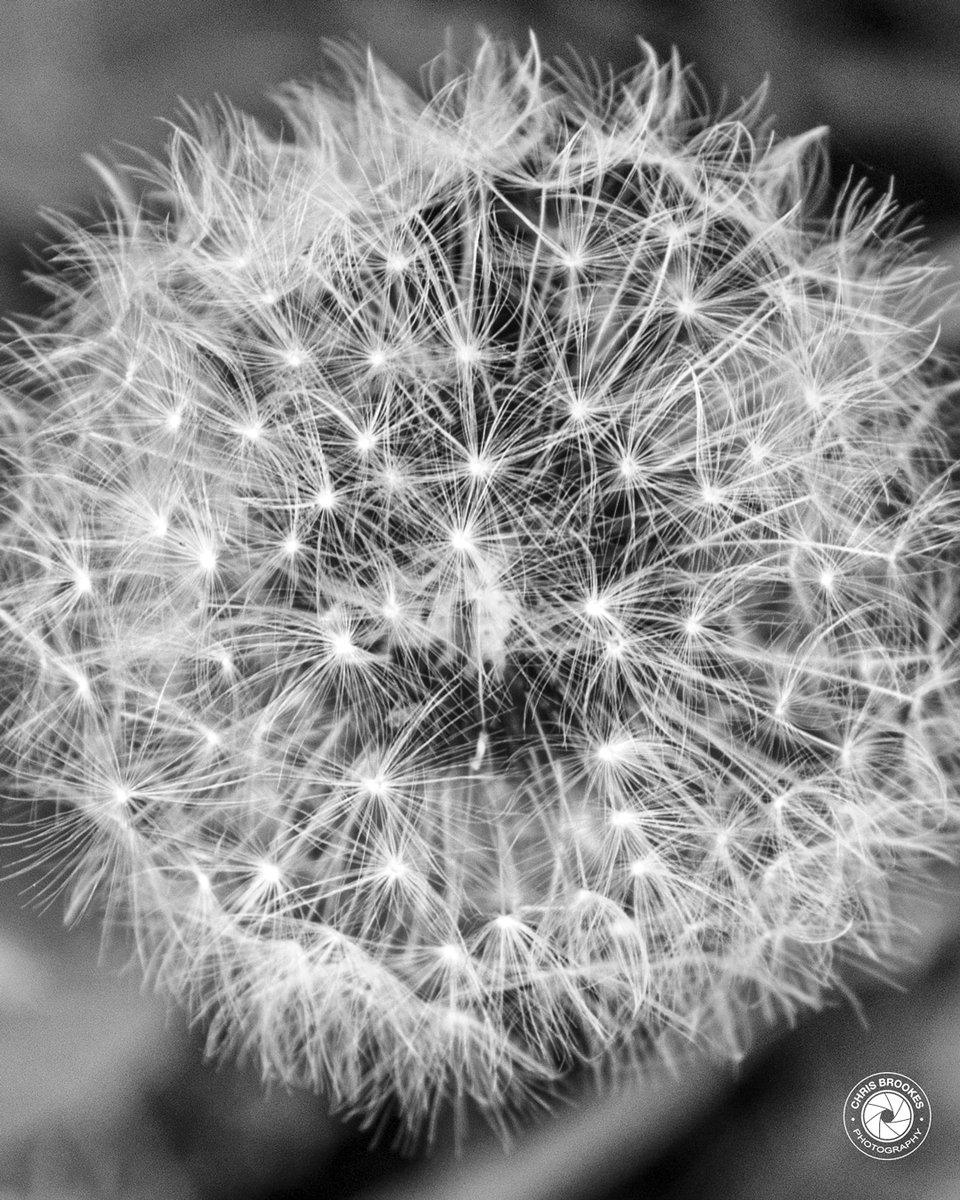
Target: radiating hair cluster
x,y
479,578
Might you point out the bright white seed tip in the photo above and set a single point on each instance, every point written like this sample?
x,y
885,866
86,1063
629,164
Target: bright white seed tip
x,y
206,558
641,867
82,583
462,541
452,955
624,818
324,498
121,796
479,466
629,468
268,873
395,869
596,607
343,647
712,494
224,660
508,923
579,410
376,785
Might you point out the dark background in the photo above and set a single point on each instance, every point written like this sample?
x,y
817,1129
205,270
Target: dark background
x,y
102,1095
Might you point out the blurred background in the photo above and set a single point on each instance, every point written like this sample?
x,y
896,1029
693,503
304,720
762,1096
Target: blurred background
x,y
102,1093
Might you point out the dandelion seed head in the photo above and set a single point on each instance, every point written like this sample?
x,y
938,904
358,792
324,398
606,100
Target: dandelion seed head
x,y
481,571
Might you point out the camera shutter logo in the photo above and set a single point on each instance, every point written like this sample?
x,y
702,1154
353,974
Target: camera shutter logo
x,y
887,1115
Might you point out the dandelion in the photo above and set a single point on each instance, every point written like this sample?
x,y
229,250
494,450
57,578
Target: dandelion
x,y
479,579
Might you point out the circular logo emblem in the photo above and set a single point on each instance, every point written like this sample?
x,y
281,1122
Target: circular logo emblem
x,y
887,1115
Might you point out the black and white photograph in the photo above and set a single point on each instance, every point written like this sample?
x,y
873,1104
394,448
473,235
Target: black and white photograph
x,y
479,600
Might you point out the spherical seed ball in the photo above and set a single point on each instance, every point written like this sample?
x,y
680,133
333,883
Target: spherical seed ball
x,y
478,578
